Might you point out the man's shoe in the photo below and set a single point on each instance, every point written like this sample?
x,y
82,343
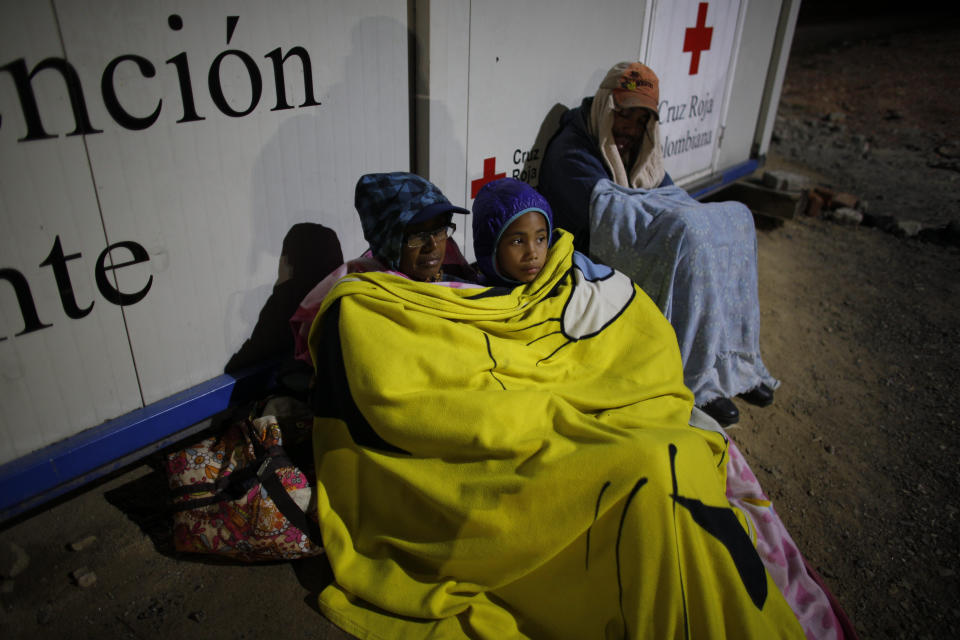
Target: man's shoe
x,y
722,410
761,395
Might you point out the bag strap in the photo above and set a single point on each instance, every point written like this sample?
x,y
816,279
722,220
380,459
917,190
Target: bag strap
x,y
197,503
290,510
264,469
270,459
218,488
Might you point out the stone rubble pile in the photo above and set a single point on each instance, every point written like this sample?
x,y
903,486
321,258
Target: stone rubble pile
x,y
848,209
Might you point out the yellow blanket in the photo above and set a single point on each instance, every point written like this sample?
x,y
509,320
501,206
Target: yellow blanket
x,y
518,464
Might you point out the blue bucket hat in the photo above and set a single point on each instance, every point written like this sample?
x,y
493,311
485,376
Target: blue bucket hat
x,y
388,202
497,205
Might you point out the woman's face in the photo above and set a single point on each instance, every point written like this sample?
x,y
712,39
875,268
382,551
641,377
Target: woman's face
x,y
423,262
522,249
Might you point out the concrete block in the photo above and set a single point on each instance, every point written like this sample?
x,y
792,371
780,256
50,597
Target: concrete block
x,y
846,200
762,200
785,180
845,215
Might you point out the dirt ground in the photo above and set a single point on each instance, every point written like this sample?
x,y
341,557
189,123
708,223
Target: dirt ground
x,y
859,452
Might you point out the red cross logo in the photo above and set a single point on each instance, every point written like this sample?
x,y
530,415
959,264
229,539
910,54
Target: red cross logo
x,y
489,175
697,39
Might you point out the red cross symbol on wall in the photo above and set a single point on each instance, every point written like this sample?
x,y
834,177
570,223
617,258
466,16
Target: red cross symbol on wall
x,y
697,39
489,175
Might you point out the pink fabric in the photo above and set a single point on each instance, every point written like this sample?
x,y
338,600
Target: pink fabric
x,y
815,608
302,318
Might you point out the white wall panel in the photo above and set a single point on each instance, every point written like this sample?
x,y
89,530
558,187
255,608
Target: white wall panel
x,y
445,38
75,371
691,48
210,199
520,64
747,91
526,61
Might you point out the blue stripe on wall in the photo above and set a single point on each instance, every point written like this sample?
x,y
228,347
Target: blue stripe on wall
x,y
729,176
46,473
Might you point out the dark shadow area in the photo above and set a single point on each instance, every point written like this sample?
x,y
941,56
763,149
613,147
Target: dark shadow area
x,y
766,223
763,218
530,173
144,502
69,496
313,574
822,24
310,251
814,11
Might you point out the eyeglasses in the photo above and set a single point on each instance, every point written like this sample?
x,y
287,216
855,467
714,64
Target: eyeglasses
x,y
417,240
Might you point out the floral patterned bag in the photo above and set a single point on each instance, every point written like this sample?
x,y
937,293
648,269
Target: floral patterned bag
x,y
239,494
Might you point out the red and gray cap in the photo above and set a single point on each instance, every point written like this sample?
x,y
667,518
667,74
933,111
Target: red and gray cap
x,y
633,84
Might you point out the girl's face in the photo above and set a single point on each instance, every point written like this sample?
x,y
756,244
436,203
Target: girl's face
x,y
522,249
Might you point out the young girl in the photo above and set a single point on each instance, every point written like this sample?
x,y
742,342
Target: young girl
x,y
512,230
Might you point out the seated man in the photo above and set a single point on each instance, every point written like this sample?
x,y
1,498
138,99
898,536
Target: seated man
x,y
603,176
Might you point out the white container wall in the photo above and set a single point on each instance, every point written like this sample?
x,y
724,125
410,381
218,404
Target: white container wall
x,y
153,155
500,74
692,46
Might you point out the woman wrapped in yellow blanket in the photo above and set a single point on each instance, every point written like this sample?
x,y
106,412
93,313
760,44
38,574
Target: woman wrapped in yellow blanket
x,y
517,462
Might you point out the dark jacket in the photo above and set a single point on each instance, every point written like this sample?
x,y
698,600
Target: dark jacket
x,y
572,165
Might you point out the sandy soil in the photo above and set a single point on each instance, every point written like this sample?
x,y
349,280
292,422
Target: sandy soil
x,y
859,452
